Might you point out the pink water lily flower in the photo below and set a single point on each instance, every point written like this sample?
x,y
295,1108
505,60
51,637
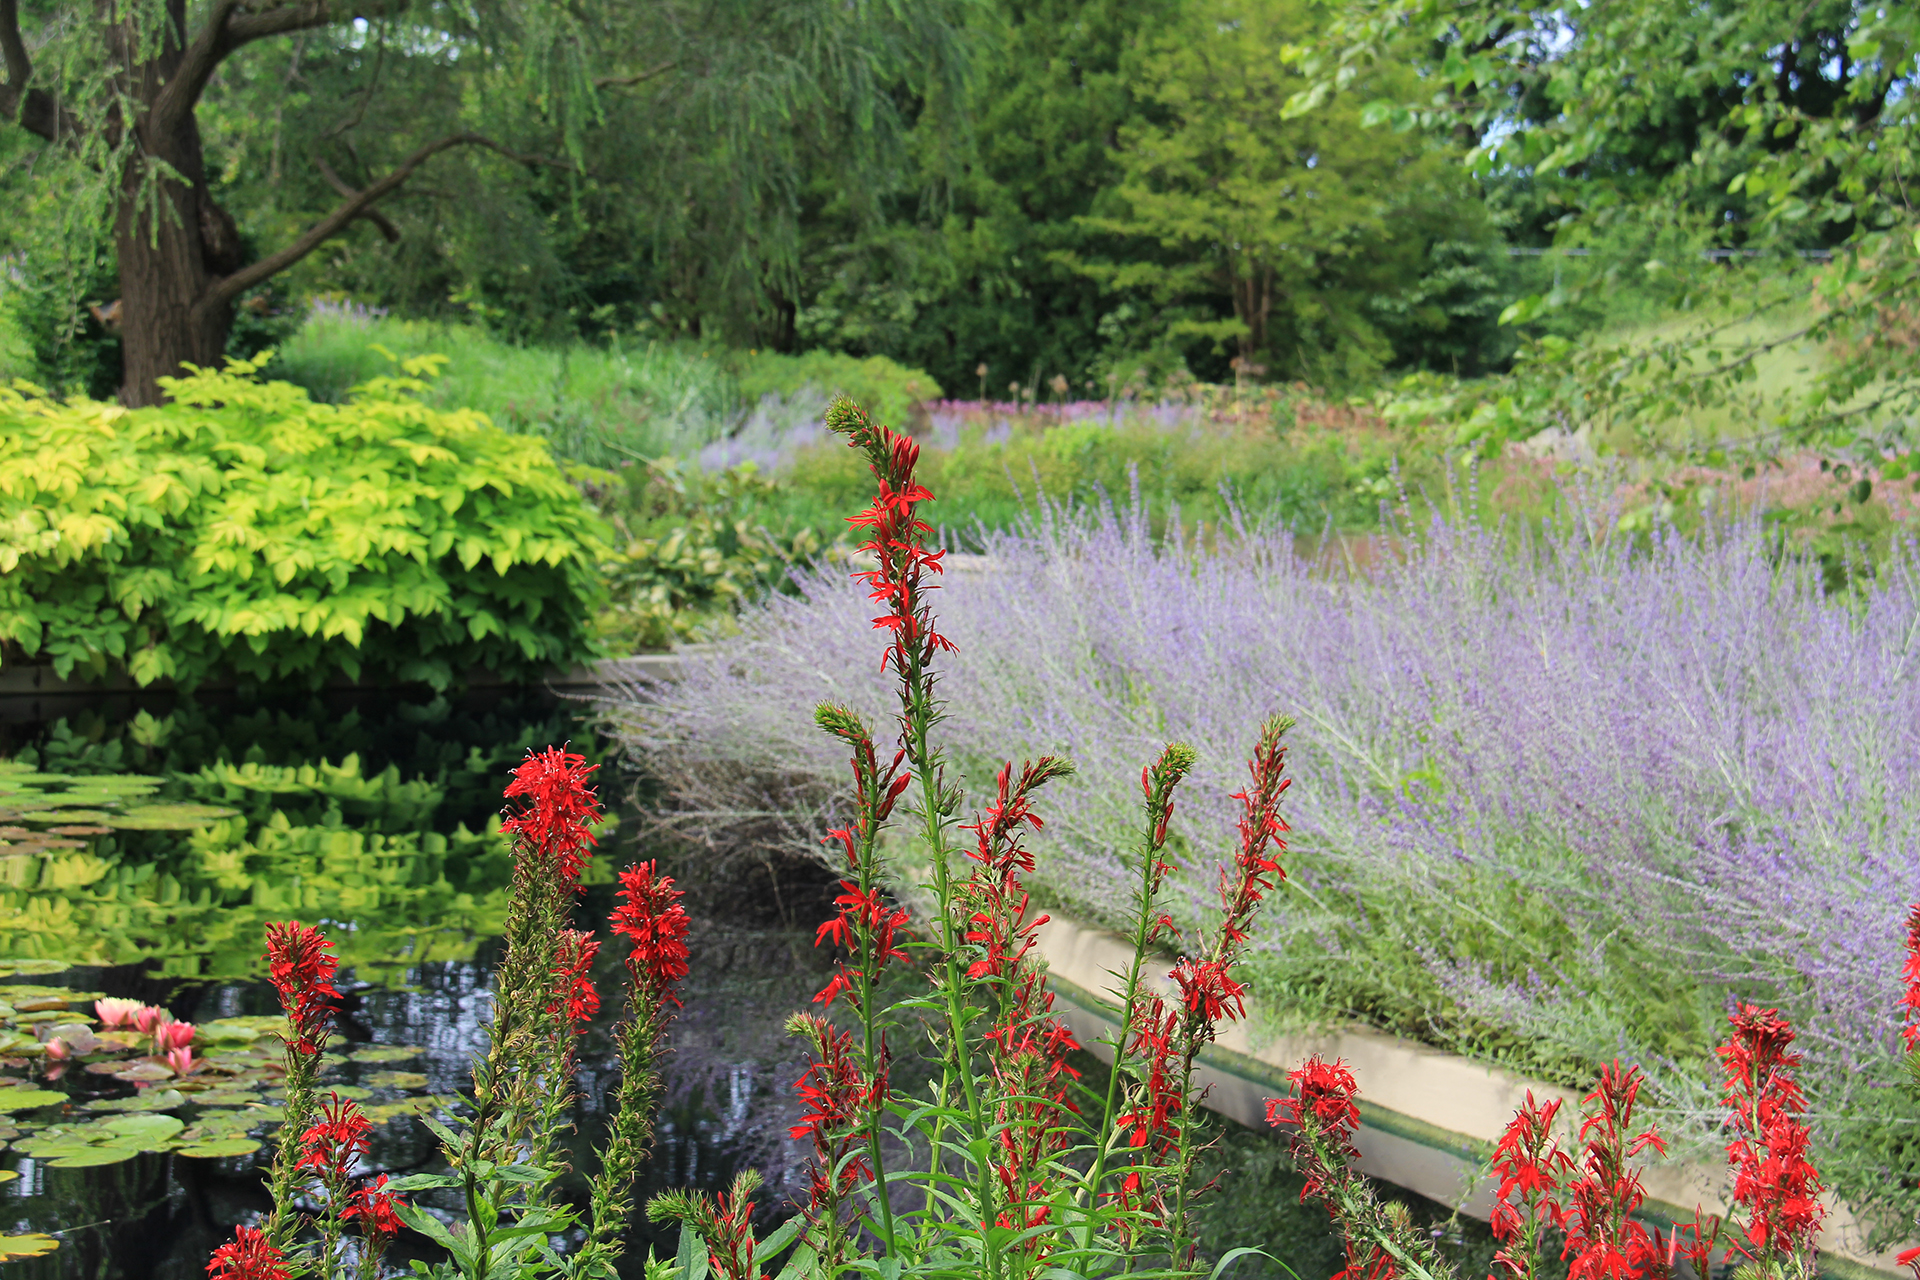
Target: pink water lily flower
x,y
148,1016
182,1061
115,1012
168,1036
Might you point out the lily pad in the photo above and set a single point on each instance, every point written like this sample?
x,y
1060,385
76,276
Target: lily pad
x,y
90,1156
221,1150
227,1098
151,1100
27,1246
151,1131
168,817
69,815
141,1072
81,830
32,967
28,1099
387,1053
248,1028
396,1080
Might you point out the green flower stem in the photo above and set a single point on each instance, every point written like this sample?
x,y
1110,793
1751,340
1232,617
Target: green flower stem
x,y
1164,775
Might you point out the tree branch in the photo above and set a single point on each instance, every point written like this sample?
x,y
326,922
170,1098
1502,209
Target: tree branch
x,y
377,218
13,49
33,109
623,82
356,205
229,27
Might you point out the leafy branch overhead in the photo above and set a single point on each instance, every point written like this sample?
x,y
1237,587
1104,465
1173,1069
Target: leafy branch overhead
x,y
1760,155
244,530
136,123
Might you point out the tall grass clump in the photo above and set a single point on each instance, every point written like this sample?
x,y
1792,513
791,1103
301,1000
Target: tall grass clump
x,y
1564,802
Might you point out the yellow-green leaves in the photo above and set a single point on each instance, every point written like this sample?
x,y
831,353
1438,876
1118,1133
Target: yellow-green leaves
x,y
245,530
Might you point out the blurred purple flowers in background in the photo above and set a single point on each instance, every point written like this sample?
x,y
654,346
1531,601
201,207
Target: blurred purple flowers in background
x,y
1552,801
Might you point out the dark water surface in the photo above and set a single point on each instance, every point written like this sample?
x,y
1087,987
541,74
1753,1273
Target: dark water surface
x,y
161,1214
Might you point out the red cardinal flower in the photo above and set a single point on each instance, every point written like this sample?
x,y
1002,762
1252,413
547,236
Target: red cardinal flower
x,y
1773,1179
1530,1166
650,913
248,1256
332,1145
573,954
302,971
556,823
1911,1001
374,1206
1603,1240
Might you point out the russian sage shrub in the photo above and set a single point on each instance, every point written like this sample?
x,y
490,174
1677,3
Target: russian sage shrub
x,y
1554,803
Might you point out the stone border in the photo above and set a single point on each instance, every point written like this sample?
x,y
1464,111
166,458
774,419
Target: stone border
x,y
1428,1118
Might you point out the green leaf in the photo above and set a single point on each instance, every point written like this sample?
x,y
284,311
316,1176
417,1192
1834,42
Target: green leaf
x,y
12,1100
220,1150
27,1246
89,1156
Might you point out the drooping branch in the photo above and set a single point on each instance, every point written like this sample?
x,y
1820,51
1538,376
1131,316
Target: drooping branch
x,y
640,77
230,26
377,218
356,205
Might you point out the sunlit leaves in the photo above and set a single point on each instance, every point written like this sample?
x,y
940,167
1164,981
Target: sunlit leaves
x,y
246,529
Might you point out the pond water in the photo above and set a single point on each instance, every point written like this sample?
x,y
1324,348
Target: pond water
x,y
152,838
144,843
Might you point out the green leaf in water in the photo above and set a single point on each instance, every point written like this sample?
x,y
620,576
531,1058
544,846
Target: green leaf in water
x,y
27,1246
28,1099
396,1080
387,1053
221,1150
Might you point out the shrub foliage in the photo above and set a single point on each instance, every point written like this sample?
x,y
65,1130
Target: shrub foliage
x,y
245,530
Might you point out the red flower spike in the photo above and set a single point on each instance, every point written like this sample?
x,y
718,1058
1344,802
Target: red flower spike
x,y
374,1207
1910,1033
573,993
895,543
555,825
248,1256
1530,1166
1603,1241
331,1146
302,972
835,1097
650,913
1773,1179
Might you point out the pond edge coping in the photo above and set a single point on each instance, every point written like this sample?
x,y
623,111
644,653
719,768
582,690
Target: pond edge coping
x,y
1428,1118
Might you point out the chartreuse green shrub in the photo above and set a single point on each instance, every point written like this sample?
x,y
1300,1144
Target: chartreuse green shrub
x,y
245,530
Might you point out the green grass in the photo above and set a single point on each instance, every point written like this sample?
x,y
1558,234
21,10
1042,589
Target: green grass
x,y
598,405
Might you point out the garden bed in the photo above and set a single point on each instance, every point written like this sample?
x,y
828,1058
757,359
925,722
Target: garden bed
x,y
1554,803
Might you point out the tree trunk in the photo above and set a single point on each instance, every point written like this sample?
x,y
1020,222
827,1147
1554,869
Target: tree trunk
x,y
169,263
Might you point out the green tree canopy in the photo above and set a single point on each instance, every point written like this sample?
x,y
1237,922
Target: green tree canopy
x,y
1296,221
490,151
1722,132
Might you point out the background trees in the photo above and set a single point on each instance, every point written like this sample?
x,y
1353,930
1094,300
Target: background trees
x,y
1055,196
560,149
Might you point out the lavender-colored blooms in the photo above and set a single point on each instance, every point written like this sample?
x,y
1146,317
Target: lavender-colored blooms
x,y
1690,748
343,311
